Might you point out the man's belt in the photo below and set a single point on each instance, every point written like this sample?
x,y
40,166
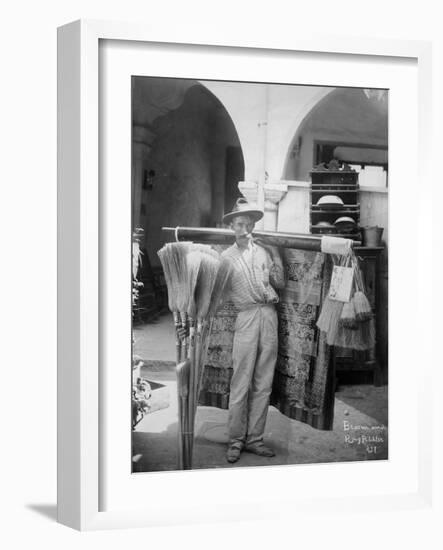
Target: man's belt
x,y
246,307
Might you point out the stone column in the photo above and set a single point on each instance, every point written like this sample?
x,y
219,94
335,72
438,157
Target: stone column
x,y
274,192
141,146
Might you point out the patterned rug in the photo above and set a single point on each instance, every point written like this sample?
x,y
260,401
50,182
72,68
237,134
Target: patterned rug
x,y
303,383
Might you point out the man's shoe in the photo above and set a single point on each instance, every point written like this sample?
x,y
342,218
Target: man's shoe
x,y
233,454
259,449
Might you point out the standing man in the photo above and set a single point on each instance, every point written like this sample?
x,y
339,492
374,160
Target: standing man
x,y
257,270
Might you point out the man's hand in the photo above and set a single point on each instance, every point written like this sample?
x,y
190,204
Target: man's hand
x,y
273,250
276,271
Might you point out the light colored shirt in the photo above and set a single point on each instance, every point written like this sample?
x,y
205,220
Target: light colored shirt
x,y
251,278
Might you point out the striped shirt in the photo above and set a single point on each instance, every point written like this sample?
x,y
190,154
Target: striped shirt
x,y
252,276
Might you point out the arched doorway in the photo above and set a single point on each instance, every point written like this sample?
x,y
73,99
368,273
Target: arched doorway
x,y
187,160
191,160
345,124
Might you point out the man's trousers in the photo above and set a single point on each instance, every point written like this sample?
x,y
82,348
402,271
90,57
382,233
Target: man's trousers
x,y
254,357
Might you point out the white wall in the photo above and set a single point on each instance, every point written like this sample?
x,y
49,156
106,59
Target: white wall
x,y
266,117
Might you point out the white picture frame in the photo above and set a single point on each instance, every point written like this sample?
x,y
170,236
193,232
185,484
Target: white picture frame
x,y
82,297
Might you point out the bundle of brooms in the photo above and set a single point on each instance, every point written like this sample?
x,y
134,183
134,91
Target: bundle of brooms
x,y
196,278
349,324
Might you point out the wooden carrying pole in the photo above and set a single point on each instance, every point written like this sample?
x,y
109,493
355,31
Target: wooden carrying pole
x,y
214,235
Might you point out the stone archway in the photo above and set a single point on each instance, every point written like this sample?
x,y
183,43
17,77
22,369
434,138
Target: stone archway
x,y
186,150
293,132
342,115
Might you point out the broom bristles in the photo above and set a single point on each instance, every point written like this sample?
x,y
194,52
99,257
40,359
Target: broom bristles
x,y
347,318
221,280
362,338
205,249
363,310
163,255
173,259
180,273
205,284
330,314
194,261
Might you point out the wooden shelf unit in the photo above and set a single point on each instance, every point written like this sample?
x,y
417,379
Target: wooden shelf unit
x,y
343,184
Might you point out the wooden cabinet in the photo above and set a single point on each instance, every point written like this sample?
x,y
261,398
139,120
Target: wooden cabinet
x,y
347,361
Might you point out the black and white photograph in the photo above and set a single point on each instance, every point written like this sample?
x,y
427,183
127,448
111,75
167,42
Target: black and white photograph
x,y
224,272
259,274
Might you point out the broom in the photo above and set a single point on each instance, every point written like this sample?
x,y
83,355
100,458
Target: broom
x,y
194,262
180,278
194,259
203,293
218,294
330,313
182,372
173,259
165,260
356,328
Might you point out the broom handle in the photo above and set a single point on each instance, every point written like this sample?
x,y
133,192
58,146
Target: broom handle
x,y
184,325
200,328
201,358
179,378
215,235
192,373
178,344
180,433
190,404
194,390
204,337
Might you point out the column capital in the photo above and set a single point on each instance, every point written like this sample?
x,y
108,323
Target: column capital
x,y
274,192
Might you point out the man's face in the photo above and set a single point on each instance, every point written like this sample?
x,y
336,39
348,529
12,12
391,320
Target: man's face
x,y
242,227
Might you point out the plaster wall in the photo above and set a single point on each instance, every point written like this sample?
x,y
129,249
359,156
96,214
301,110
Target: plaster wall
x,y
293,212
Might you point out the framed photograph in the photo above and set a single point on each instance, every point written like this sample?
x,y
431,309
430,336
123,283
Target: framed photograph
x,y
207,192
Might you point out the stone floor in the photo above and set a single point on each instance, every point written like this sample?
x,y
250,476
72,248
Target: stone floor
x,y
359,431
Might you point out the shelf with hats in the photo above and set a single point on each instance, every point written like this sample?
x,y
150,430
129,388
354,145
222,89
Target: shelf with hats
x,y
334,205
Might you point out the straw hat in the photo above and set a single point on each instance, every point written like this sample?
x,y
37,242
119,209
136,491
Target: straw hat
x,y
243,208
